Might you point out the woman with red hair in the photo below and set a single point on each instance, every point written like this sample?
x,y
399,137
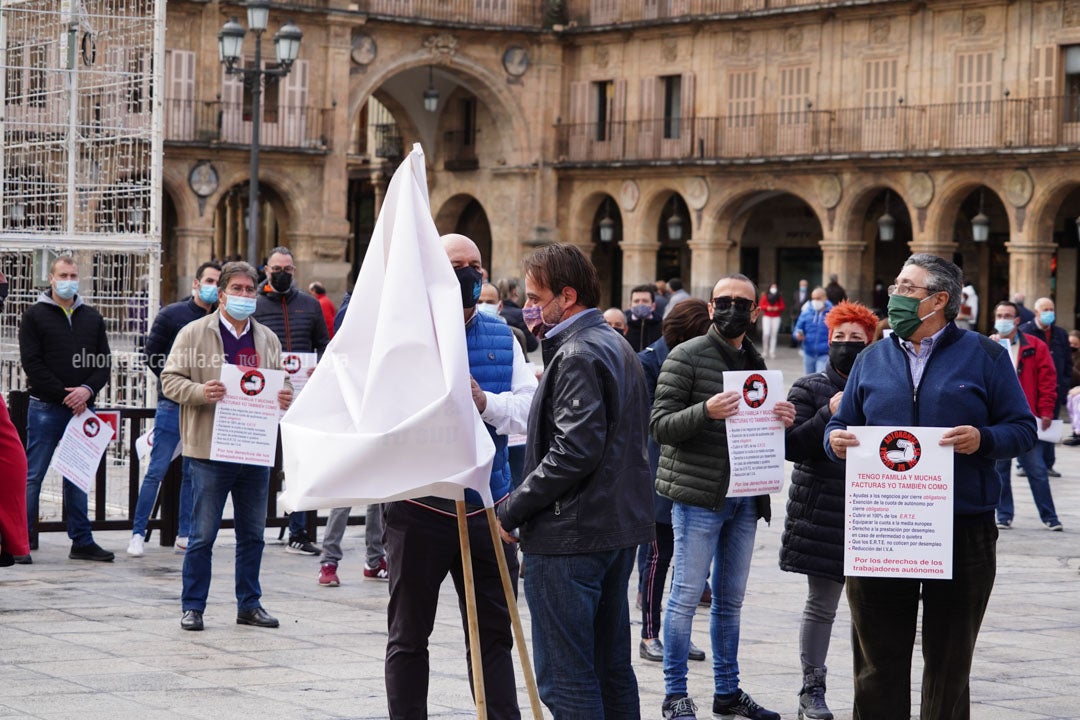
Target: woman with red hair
x,y
813,539
14,541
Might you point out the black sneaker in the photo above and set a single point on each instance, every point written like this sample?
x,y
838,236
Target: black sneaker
x,y
740,705
1071,441
23,560
1051,472
678,706
90,552
300,545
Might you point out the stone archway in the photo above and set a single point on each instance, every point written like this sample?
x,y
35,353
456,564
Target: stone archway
x,y
230,222
463,214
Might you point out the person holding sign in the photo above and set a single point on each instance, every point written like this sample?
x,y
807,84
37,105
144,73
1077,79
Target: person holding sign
x,y
65,354
688,420
191,379
930,373
813,539
1038,377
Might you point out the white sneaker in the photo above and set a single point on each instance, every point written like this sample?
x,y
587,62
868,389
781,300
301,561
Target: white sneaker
x,y
181,545
135,547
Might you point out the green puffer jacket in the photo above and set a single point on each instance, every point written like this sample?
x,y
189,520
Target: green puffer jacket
x,y
694,466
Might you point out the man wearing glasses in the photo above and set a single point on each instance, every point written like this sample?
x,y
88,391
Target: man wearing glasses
x,y
688,420
192,379
297,320
930,373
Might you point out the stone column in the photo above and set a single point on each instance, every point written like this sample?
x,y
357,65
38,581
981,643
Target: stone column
x,y
925,243
1029,267
638,265
710,259
844,258
194,246
321,258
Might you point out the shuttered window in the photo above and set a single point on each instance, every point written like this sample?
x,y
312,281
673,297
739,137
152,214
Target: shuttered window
x,y
742,98
879,89
794,96
974,82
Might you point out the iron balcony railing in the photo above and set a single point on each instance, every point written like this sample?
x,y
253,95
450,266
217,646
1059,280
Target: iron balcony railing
x,y
955,128
217,122
613,12
491,13
460,149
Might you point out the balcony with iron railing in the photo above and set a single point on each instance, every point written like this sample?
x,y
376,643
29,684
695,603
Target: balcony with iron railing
x,y
213,122
1012,125
523,14
460,150
585,14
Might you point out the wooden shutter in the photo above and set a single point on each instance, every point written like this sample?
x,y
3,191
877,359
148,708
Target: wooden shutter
x,y
179,100
293,105
618,121
233,127
974,81
579,126
649,125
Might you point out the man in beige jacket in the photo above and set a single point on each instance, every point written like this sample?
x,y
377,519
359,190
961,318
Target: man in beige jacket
x,y
191,378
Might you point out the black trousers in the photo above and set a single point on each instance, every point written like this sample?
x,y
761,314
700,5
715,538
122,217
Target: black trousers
x,y
654,579
884,612
421,548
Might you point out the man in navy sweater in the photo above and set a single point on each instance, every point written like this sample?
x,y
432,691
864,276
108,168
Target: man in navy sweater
x,y
159,341
930,373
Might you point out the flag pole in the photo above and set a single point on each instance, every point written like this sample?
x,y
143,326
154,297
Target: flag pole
x,y
470,611
515,617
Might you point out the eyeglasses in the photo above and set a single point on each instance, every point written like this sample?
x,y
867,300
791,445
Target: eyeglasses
x,y
287,268
240,290
905,290
724,302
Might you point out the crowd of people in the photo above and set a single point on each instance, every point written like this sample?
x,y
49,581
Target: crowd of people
x,y
625,456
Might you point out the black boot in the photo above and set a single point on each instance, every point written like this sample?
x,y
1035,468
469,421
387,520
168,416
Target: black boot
x,y
812,696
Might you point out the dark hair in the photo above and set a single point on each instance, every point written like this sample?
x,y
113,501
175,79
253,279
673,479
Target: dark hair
x,y
560,266
1007,303
688,319
651,289
741,278
279,250
208,265
236,267
675,284
317,288
944,276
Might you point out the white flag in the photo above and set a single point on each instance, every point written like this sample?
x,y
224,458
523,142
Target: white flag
x,y
388,413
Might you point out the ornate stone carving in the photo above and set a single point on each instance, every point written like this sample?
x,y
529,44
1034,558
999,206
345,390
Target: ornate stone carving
x,y
740,43
443,43
601,55
793,40
830,191
629,195
1071,15
879,30
974,24
1019,187
669,50
920,189
697,193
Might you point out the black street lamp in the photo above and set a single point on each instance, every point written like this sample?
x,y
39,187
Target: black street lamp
x,y
886,223
287,47
980,224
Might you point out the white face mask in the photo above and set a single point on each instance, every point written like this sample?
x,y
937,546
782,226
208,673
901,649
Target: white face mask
x,y
488,308
818,305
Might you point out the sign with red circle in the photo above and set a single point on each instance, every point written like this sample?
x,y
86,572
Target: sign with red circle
x,y
252,383
900,451
755,390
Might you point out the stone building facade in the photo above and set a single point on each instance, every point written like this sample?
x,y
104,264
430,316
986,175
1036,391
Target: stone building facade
x,y
709,136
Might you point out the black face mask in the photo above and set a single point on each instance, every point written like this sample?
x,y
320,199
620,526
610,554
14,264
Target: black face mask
x,y
842,355
731,323
470,280
281,281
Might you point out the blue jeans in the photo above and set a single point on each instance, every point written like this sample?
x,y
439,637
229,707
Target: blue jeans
x,y
45,423
724,538
581,634
1032,462
212,482
814,363
166,438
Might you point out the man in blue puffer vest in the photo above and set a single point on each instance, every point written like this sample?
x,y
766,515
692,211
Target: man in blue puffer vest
x,y
930,373
421,535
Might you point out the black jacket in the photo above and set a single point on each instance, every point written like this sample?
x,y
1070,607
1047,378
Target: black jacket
x,y
587,486
643,333
169,321
59,352
511,313
813,539
295,317
1060,352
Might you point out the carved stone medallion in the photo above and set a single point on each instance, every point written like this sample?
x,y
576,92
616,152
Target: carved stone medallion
x,y
1019,187
920,189
740,43
793,40
601,55
697,193
830,191
879,30
629,195
444,43
669,50
974,24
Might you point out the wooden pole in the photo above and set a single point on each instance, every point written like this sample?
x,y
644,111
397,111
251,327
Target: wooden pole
x,y
515,617
470,611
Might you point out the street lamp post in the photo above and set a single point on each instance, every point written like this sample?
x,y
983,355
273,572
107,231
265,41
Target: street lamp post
x,y
287,47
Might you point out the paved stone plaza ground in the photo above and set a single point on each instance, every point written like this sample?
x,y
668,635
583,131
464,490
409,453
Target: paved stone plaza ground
x,y
88,641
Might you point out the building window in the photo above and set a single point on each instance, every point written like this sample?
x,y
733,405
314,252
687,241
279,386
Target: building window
x,y
38,78
14,75
672,106
604,94
794,95
468,121
1072,82
974,82
879,89
271,95
742,98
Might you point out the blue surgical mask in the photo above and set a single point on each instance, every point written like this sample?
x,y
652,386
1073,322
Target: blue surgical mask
x,y
66,289
1004,327
208,294
239,307
488,308
1046,317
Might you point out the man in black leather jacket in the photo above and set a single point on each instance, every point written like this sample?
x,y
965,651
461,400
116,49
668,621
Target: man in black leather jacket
x,y
586,501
